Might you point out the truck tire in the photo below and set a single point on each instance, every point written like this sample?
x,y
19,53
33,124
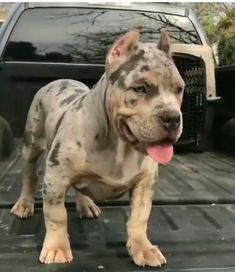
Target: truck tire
x,y
6,139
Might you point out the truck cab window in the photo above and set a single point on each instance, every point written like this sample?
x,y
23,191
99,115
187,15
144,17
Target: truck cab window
x,y
82,35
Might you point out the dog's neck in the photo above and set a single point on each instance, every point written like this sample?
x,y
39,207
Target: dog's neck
x,y
104,89
103,130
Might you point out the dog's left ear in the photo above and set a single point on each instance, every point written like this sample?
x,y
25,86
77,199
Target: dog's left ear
x,y
164,43
122,50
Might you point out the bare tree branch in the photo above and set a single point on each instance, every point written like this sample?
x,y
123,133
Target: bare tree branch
x,y
166,22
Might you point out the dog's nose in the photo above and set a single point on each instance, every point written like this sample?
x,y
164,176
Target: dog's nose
x,y
170,120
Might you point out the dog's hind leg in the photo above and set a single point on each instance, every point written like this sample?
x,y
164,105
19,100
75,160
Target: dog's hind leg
x,y
86,207
34,140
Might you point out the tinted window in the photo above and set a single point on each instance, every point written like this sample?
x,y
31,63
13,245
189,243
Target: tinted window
x,y
82,35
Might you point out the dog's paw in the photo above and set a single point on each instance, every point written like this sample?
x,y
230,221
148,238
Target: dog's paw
x,y
23,208
55,253
87,208
145,254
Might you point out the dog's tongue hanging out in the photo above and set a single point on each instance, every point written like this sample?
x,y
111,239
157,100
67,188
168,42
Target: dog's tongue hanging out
x,y
161,153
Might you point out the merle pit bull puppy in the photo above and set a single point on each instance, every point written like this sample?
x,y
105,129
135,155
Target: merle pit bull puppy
x,y
104,142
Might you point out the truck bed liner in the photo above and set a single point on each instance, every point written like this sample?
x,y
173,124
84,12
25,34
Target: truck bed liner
x,y
199,237
191,178
192,221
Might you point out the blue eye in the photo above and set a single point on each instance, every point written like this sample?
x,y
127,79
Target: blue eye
x,y
140,89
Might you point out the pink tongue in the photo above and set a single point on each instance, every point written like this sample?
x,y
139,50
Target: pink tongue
x,y
161,153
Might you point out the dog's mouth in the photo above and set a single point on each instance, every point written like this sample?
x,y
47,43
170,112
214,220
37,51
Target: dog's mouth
x,y
126,134
161,151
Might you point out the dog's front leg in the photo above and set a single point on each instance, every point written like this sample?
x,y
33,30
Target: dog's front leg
x,y
139,247
56,246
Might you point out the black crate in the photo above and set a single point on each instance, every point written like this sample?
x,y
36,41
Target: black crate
x,y
193,71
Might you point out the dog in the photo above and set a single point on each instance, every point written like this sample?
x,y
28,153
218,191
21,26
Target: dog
x,y
104,142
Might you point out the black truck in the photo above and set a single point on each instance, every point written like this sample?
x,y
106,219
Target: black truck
x,y
193,216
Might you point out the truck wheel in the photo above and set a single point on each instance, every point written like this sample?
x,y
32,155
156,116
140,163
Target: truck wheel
x,y
6,139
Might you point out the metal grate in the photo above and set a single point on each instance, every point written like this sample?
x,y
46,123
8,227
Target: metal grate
x,y
192,69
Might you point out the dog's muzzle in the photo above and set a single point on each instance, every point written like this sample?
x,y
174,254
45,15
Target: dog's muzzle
x,y
170,120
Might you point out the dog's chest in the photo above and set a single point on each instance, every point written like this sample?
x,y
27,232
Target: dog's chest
x,y
98,190
111,181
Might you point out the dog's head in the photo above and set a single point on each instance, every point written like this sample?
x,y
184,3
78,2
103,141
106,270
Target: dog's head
x,y
146,91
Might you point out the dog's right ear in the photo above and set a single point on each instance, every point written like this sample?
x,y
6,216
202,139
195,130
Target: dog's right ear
x,y
122,50
164,42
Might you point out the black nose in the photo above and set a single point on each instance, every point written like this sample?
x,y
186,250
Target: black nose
x,y
170,120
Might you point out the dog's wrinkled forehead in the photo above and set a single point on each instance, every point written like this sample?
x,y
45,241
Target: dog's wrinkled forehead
x,y
134,61
148,62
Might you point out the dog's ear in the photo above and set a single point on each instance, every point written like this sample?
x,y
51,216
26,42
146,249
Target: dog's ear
x,y
122,50
164,43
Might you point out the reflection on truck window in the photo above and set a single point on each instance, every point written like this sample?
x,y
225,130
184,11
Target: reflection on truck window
x,y
82,35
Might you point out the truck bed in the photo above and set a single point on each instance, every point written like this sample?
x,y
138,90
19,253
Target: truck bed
x,y
192,220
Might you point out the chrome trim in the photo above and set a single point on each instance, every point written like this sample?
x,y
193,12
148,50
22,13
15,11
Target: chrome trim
x,y
53,63
215,99
155,7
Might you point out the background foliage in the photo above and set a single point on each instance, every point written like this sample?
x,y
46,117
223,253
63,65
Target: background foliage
x,y
218,21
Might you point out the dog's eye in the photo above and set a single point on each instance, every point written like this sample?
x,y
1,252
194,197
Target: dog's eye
x,y
140,89
179,90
